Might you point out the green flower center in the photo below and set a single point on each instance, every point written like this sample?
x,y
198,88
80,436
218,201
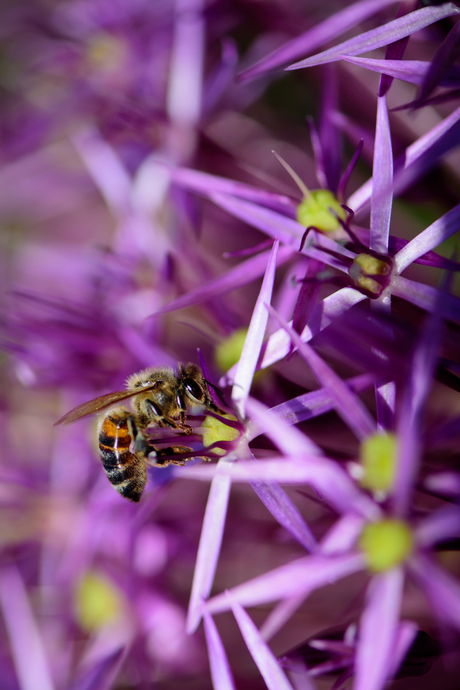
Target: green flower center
x,y
386,544
215,431
378,458
320,209
98,601
229,351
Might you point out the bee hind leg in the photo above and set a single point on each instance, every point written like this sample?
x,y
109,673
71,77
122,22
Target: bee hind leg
x,y
162,457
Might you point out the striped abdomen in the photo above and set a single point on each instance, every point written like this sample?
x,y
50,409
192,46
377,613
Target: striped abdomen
x,y
125,470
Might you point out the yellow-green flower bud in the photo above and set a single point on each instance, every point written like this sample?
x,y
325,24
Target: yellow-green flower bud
x,y
371,274
386,544
98,601
378,458
229,351
320,209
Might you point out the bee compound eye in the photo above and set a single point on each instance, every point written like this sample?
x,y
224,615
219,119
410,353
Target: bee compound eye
x,y
193,390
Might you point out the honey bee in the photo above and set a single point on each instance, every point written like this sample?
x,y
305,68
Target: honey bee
x,y
159,397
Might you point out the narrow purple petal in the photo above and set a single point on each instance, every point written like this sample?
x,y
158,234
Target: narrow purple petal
x,y
377,630
254,338
183,100
441,589
385,399
425,297
438,99
308,295
335,25
298,578
205,184
300,471
25,640
209,547
428,239
264,658
444,483
102,673
236,277
405,635
381,206
382,35
422,154
221,675
316,403
412,71
273,224
430,258
394,51
106,169
299,678
278,503
382,188
221,76
447,53
287,438
424,361
280,614
442,525
343,535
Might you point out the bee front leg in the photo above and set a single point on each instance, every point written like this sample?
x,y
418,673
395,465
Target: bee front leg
x,y
174,424
155,415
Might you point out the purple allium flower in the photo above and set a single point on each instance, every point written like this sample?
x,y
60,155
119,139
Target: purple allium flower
x,y
386,541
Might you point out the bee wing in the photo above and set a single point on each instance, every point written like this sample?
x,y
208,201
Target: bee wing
x,y
96,405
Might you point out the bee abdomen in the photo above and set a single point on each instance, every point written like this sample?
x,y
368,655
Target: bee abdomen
x,y
124,469
128,479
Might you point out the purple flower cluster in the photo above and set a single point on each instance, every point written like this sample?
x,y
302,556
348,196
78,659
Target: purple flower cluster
x,y
269,190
